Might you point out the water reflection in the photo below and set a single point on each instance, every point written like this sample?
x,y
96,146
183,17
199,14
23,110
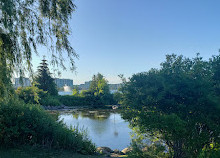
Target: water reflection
x,y
105,127
94,115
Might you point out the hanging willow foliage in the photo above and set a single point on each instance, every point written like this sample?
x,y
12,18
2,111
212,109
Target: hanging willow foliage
x,y
25,24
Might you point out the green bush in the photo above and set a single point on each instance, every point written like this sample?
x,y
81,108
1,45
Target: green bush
x,y
49,100
68,100
26,124
31,94
117,96
152,151
34,95
92,101
146,146
210,152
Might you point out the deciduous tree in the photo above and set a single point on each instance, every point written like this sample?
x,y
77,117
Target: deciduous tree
x,y
178,103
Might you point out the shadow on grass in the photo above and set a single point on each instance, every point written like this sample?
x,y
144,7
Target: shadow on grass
x,y
33,152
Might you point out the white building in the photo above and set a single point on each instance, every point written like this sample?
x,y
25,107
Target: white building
x,y
63,82
24,82
84,86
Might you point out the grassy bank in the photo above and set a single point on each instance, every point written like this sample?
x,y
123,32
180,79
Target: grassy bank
x,y
36,152
29,152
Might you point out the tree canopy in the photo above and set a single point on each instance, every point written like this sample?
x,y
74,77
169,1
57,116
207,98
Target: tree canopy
x,y
99,85
178,103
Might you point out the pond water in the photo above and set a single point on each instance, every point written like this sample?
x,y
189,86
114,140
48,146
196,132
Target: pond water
x,y
104,127
70,92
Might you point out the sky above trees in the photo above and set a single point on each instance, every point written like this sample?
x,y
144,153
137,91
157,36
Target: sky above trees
x,y
129,36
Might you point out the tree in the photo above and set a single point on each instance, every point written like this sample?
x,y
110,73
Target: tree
x,y
26,24
76,91
44,79
98,92
177,103
99,85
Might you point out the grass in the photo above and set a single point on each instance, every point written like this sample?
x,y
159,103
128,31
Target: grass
x,y
30,152
36,152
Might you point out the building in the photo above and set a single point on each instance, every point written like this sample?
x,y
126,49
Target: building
x,y
84,86
63,82
114,86
24,82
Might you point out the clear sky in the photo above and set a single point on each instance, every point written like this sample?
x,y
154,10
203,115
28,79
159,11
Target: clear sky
x,y
129,36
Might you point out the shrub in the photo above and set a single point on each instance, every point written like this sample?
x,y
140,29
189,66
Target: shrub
x,y
68,100
30,94
26,124
147,146
210,152
92,101
49,100
151,151
117,96
34,95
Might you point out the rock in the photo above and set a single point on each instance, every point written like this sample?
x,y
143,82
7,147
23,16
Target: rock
x,y
126,150
104,150
116,151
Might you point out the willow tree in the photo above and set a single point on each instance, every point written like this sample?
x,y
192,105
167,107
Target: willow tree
x,y
26,24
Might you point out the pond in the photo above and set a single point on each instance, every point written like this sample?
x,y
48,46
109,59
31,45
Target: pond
x,y
104,127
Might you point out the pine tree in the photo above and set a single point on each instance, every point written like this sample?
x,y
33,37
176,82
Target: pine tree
x,y
44,79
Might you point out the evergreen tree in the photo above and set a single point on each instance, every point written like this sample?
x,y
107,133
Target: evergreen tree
x,y
44,79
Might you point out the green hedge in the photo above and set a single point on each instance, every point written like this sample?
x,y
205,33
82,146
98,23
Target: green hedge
x,y
49,100
80,101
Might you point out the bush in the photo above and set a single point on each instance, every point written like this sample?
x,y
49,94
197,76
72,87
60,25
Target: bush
x,y
92,101
152,151
210,152
49,100
117,96
30,94
34,95
68,100
147,146
26,124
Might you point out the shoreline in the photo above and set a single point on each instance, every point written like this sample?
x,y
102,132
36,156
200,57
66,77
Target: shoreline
x,y
68,108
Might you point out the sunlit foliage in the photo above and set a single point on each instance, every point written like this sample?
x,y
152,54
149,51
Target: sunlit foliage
x,y
30,94
99,85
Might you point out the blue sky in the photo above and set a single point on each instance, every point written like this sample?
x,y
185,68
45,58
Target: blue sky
x,y
129,36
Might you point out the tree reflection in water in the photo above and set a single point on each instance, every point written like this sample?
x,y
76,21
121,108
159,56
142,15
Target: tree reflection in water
x,y
105,127
94,115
